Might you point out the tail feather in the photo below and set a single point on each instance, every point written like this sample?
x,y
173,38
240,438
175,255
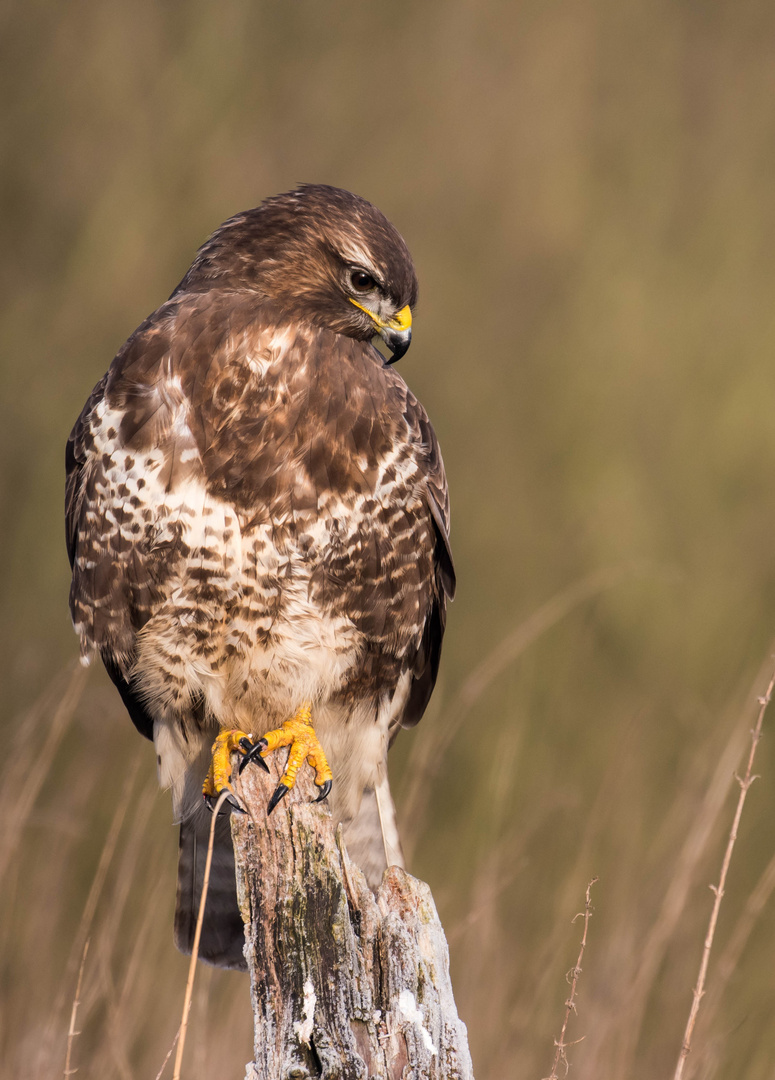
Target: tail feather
x,y
371,835
394,853
223,933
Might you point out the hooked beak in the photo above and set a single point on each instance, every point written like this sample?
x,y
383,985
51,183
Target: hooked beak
x,y
395,332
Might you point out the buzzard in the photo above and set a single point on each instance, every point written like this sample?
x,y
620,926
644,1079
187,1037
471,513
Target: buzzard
x,y
257,524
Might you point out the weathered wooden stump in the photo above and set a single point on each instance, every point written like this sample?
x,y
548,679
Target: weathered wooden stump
x,y
343,984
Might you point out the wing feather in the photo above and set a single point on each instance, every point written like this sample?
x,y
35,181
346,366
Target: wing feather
x,y
424,663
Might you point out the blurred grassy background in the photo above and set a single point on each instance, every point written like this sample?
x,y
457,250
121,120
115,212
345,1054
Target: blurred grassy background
x,y
587,189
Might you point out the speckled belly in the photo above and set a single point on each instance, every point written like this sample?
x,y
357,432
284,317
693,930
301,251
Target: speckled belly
x,y
244,632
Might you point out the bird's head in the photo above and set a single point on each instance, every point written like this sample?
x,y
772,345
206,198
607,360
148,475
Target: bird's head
x,y
319,254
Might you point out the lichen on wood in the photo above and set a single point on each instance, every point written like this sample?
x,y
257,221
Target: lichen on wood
x,y
343,983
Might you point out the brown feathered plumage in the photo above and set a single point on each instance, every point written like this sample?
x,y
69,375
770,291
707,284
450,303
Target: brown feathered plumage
x,y
257,515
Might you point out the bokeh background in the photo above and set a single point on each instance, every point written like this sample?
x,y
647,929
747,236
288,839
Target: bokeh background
x,y
587,189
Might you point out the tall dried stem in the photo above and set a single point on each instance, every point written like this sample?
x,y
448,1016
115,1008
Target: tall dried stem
x,y
197,936
728,962
573,975
718,890
74,1013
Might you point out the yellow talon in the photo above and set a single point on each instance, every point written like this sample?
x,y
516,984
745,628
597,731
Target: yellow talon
x,y
299,734
218,777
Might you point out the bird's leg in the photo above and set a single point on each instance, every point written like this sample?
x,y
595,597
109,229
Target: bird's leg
x,y
219,776
299,734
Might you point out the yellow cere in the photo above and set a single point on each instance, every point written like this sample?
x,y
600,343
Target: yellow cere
x,y
402,319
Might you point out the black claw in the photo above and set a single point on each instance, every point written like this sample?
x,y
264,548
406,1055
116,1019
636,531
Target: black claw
x,y
325,790
253,753
231,804
279,793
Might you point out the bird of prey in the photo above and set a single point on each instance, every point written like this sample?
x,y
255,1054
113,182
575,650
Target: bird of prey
x,y
257,524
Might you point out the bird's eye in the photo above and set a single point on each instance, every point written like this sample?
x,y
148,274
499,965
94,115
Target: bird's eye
x,y
361,281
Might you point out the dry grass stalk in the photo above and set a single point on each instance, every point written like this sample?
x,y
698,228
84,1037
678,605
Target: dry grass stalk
x,y
739,937
657,940
25,797
728,962
104,864
73,1014
718,890
428,755
561,1045
169,1055
197,935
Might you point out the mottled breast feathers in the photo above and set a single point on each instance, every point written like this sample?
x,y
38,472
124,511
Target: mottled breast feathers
x,y
295,429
